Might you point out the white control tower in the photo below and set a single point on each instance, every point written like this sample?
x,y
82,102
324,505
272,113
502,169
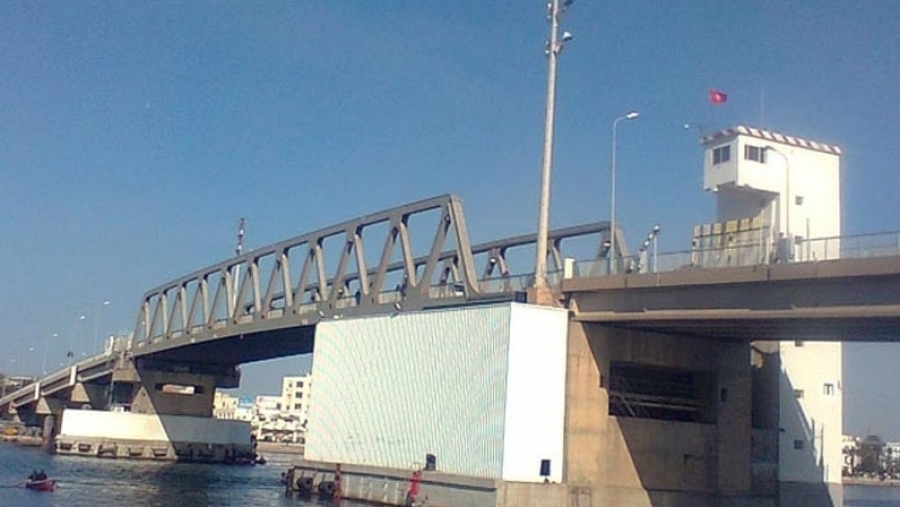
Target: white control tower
x,y
776,195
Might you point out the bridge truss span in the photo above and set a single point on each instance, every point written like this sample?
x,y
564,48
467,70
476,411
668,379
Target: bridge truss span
x,y
330,273
291,277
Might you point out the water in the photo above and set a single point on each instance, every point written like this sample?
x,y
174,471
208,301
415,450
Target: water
x,y
871,496
87,482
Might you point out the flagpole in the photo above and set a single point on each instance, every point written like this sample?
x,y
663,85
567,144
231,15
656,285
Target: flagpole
x,y
716,97
762,107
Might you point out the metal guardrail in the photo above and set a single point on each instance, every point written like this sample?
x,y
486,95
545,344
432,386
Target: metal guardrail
x,y
65,377
855,246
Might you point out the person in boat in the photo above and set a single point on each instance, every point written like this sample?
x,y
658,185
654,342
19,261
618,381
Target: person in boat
x,y
37,476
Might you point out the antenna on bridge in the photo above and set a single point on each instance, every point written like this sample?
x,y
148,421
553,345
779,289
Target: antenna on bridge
x,y
239,248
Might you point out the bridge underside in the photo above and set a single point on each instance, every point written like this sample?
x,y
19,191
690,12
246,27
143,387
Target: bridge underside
x,y
759,327
845,300
244,348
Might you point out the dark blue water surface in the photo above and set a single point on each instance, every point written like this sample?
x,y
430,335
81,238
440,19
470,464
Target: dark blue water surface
x,y
92,482
871,496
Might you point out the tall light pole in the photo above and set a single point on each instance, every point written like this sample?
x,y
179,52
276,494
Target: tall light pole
x,y
71,352
554,46
105,303
631,115
46,347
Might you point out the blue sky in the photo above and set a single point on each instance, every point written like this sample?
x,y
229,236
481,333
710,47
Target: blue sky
x,y
134,135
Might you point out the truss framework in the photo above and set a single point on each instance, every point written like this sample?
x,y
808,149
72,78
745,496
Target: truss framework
x,y
293,278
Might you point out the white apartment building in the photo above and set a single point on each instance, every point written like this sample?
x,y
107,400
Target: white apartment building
x,y
267,407
776,194
225,406
277,418
295,394
229,406
245,411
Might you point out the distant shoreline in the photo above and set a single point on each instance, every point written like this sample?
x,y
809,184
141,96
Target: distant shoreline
x,y
27,441
278,448
859,481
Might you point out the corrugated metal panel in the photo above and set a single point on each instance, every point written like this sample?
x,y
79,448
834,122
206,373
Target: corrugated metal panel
x,y
536,393
390,390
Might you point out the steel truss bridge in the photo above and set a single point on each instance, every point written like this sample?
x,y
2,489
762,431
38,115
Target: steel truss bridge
x,y
265,303
289,284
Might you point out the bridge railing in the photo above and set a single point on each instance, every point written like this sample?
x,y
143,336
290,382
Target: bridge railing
x,y
854,246
321,268
324,272
446,290
881,244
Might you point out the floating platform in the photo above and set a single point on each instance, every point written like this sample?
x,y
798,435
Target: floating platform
x,y
125,435
385,486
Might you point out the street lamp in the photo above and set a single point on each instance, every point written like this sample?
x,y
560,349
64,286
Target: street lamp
x,y
97,323
4,378
46,347
632,115
554,46
71,352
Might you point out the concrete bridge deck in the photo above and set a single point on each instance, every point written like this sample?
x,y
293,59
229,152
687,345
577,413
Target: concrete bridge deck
x,y
841,299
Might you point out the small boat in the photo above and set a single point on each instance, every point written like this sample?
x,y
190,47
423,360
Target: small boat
x,y
40,485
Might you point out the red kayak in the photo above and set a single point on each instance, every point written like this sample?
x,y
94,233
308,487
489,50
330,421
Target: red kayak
x,y
42,485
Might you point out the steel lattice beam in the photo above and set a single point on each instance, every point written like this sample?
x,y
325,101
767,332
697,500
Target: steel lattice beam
x,y
288,283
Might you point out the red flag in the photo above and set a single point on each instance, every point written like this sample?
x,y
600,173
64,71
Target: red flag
x,y
717,97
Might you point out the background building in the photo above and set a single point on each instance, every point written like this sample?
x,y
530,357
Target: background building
x,y
225,406
295,395
272,418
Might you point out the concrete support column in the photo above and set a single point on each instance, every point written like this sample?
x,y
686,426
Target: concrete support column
x,y
542,296
174,394
586,407
172,389
733,426
48,432
88,394
50,411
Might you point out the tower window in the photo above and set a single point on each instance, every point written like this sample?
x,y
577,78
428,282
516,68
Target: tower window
x,y
798,445
828,389
756,153
722,154
798,393
798,200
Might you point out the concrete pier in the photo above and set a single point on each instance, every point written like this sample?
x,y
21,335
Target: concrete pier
x,y
385,486
127,435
